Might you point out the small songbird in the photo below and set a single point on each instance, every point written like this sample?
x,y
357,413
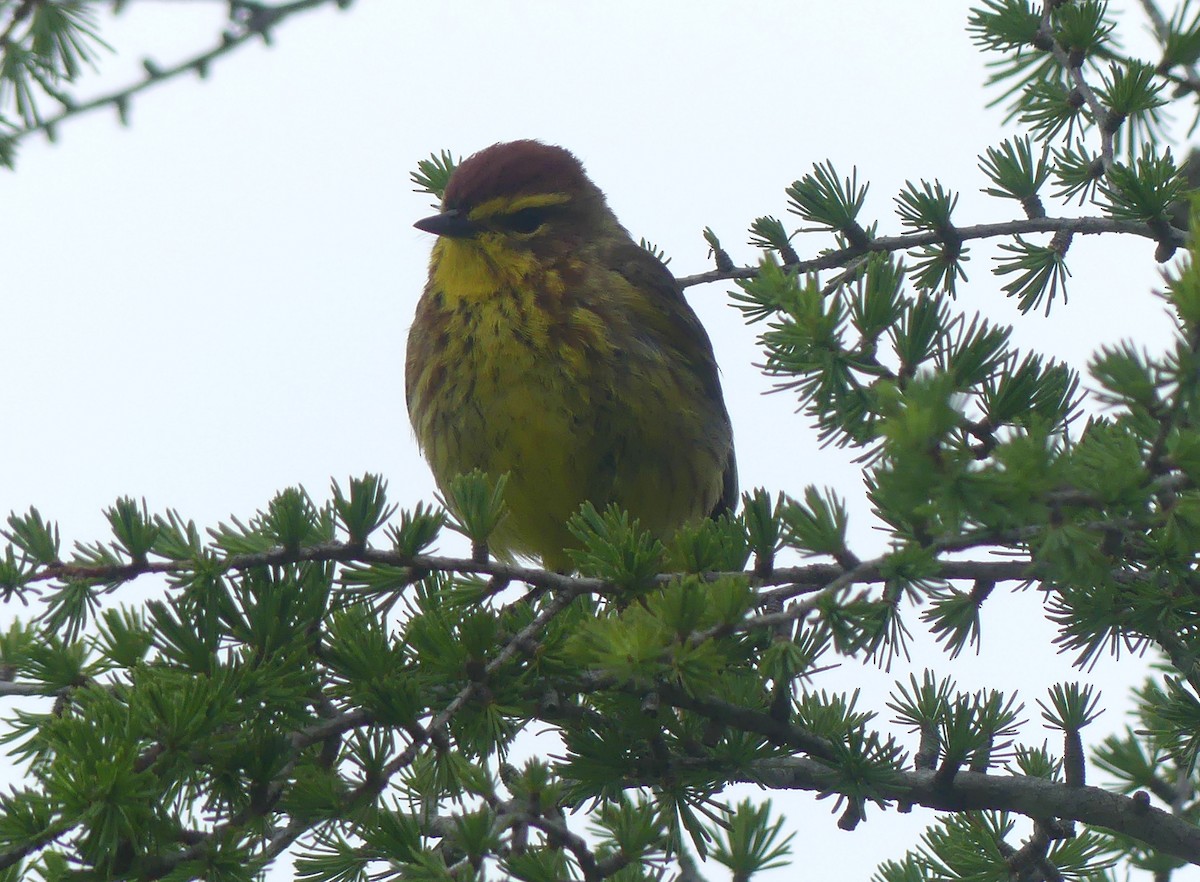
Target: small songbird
x,y
550,346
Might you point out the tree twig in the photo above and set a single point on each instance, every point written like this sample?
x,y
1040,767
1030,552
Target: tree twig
x,y
843,256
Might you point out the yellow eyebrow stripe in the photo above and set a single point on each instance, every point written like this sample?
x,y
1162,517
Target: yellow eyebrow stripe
x,y
510,204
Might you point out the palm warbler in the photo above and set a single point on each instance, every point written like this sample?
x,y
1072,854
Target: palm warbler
x,y
549,345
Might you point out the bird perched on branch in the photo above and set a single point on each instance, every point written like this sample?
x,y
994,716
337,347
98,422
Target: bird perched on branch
x,y
550,346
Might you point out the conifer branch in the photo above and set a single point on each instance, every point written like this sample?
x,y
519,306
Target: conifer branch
x,y
843,257
974,791
247,20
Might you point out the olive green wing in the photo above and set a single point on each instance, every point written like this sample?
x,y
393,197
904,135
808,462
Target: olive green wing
x,y
672,320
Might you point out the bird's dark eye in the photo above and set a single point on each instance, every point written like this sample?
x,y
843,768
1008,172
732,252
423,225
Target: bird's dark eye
x,y
527,220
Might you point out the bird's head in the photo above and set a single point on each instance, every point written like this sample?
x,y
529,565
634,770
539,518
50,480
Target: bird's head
x,y
519,200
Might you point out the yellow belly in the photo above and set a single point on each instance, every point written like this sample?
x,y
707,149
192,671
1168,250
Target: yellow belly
x,y
571,415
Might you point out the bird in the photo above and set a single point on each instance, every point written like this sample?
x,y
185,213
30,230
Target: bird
x,y
549,346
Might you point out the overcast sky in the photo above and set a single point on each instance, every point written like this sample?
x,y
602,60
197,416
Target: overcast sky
x,y
212,304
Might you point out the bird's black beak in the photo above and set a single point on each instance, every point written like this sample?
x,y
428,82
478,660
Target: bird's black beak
x,y
450,223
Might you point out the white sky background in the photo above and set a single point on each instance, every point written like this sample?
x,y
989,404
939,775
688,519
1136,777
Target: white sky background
x,y
212,304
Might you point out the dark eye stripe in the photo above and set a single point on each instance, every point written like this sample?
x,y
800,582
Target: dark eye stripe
x,y
526,220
